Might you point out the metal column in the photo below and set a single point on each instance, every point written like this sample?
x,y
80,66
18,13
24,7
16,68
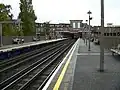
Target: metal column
x,y
101,38
89,34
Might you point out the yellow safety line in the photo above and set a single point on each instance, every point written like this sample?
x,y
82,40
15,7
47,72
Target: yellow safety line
x,y
57,85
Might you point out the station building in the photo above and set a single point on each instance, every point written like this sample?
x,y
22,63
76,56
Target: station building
x,y
74,29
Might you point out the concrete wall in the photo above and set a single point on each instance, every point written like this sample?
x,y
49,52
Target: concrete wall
x,y
28,39
42,38
7,40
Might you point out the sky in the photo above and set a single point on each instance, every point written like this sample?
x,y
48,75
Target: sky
x,y
61,11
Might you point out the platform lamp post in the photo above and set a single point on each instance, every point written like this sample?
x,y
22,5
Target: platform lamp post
x,y
86,32
89,12
101,38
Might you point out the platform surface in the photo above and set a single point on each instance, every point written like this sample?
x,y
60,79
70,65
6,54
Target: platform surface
x,y
82,72
87,76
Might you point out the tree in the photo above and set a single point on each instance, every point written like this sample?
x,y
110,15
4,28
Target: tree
x,y
5,15
27,16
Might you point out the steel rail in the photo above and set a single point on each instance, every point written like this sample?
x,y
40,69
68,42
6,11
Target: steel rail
x,y
21,72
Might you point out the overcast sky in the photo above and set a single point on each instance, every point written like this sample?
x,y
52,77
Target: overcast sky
x,y
61,11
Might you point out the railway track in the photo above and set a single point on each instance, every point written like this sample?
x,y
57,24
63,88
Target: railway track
x,y
15,66
35,75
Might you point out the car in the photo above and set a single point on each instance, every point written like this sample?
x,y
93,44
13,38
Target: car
x,y
22,40
17,40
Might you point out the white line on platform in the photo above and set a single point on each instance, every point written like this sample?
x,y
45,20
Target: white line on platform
x,y
51,78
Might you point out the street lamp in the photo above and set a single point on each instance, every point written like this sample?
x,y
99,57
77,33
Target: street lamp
x,y
90,18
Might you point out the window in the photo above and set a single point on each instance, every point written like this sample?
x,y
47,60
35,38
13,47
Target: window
x,y
110,34
107,34
78,25
104,34
114,34
73,25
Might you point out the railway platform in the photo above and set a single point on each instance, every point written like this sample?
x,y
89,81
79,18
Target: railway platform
x,y
9,51
17,46
80,70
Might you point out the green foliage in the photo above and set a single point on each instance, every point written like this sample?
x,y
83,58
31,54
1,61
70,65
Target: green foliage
x,y
11,30
6,15
27,16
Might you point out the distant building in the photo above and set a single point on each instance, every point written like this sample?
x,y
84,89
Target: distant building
x,y
75,28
